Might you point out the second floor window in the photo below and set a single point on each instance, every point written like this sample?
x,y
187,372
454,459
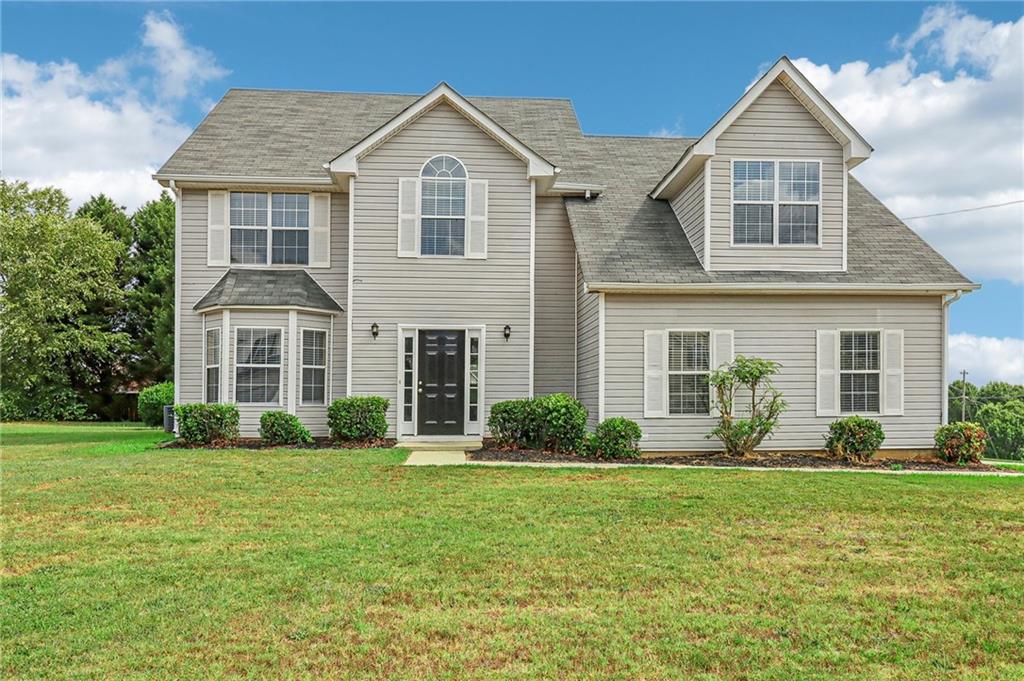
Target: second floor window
x,y
443,207
776,203
269,229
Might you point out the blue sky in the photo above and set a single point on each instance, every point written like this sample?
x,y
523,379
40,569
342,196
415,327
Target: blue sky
x,y
629,69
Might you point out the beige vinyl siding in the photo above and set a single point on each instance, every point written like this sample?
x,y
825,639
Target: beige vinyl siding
x,y
197,278
779,328
777,126
587,350
554,300
689,209
441,292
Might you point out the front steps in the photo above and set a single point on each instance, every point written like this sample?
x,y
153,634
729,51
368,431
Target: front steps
x,y
453,445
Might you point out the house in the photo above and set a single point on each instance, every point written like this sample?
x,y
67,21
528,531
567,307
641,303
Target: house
x,y
450,252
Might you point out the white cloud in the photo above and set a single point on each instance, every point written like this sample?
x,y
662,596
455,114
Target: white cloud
x,y
106,130
945,141
985,358
665,131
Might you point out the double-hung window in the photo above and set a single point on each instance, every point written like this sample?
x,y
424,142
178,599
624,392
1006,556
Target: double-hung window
x,y
859,371
776,203
443,207
269,228
212,365
314,366
689,368
257,366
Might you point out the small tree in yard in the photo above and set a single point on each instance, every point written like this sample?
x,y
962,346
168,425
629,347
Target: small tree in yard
x,y
731,384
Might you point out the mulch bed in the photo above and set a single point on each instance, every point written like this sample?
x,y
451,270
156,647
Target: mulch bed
x,y
256,443
715,459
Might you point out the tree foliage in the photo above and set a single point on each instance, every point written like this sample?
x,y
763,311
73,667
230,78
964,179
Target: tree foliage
x,y
741,435
54,269
1004,423
150,303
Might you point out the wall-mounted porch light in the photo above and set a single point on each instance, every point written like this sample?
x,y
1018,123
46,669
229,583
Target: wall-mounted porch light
x,y
374,330
508,332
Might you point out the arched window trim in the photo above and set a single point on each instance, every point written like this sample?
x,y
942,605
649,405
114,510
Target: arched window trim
x,y
458,160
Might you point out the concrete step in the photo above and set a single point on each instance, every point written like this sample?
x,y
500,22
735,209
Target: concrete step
x,y
462,445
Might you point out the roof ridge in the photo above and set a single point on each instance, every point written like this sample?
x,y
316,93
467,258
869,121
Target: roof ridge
x,y
389,94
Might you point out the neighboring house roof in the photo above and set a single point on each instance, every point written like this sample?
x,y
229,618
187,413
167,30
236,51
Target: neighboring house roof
x,y
626,237
267,288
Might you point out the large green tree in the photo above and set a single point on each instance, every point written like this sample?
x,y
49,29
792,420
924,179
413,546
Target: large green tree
x,y
54,269
150,298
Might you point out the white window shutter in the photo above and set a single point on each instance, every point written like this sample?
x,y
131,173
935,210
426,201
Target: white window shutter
x,y
827,386
892,356
217,232
476,210
721,348
320,230
655,382
408,217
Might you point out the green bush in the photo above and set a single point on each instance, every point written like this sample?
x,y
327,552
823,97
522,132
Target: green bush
x,y
854,438
282,428
961,442
615,438
152,401
207,424
563,422
746,375
555,422
517,423
358,418
1004,423
46,403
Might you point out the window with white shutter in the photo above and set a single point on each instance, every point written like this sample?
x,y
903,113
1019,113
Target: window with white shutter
x,y
892,357
827,387
320,230
217,229
655,359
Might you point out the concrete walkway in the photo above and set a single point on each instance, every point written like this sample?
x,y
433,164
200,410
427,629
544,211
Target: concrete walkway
x,y
435,458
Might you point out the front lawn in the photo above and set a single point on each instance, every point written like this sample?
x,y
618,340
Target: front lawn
x,y
120,559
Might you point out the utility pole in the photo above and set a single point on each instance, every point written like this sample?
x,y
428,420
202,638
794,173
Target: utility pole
x,y
963,394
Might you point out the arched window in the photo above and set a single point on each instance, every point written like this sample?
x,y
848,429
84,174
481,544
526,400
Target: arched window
x,y
443,207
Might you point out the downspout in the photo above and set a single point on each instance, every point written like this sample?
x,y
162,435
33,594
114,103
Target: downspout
x,y
177,295
946,302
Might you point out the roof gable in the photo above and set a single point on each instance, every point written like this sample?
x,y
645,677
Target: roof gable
x,y
347,162
855,148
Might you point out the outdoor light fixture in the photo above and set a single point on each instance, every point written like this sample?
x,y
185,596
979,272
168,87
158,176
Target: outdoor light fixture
x,y
374,329
508,332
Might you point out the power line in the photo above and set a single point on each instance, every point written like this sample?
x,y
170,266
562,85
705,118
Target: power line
x,y
965,210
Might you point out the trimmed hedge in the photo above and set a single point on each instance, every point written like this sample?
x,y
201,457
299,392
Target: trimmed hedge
x,y
207,424
555,422
615,438
358,418
282,428
152,401
854,438
961,442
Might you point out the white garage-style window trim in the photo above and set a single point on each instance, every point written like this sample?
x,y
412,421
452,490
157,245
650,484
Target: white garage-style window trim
x,y
264,229
677,369
775,202
211,365
860,371
314,366
442,213
259,378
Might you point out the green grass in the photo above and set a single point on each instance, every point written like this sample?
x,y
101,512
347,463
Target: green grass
x,y
120,559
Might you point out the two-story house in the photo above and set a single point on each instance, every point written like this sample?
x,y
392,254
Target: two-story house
x,y
449,252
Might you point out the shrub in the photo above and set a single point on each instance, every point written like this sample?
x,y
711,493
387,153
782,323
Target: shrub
x,y
854,438
358,418
152,401
517,423
207,424
961,442
282,428
563,421
615,438
749,374
46,403
1004,423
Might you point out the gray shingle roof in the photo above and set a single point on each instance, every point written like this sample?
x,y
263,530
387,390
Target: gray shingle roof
x,y
267,288
622,235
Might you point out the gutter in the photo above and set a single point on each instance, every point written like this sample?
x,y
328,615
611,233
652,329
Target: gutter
x,y
782,288
167,179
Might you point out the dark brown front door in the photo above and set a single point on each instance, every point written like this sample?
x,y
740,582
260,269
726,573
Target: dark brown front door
x,y
441,383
